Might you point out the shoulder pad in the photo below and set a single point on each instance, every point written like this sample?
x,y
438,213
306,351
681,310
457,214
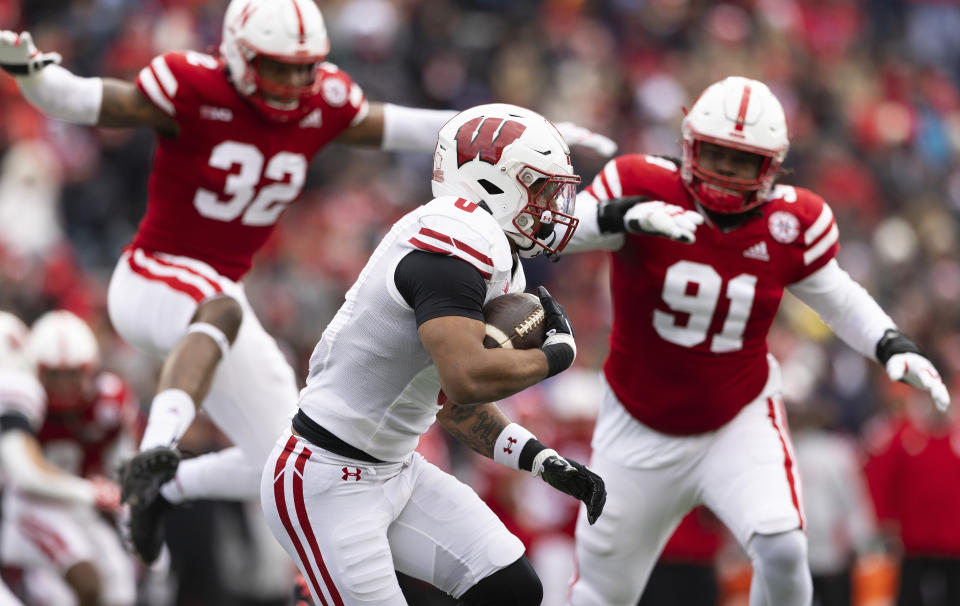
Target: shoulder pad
x,y
799,218
460,228
170,80
631,174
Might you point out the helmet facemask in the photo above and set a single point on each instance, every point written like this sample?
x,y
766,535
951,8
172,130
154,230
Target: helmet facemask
x,y
69,389
550,203
282,93
729,178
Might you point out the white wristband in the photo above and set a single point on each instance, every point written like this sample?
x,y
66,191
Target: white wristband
x,y
510,443
412,129
58,93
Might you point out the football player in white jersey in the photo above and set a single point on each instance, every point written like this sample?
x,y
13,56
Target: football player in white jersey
x,y
50,518
344,491
237,133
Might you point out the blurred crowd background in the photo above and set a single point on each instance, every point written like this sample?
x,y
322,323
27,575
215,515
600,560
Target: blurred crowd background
x,y
872,94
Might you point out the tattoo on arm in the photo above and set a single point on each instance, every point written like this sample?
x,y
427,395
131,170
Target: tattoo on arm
x,y
475,426
124,105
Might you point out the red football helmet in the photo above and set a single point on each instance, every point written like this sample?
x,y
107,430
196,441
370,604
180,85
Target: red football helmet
x,y
290,32
741,114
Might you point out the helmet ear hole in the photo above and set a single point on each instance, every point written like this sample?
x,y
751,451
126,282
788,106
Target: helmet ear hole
x,y
489,187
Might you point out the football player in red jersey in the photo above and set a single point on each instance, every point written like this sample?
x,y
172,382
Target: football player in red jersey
x,y
235,136
59,440
692,413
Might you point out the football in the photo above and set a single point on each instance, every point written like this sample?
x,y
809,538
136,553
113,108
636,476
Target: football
x,y
514,321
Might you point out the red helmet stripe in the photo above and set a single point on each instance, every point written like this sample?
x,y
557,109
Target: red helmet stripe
x,y
744,102
303,33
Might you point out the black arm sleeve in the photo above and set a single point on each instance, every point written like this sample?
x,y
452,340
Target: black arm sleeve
x,y
610,213
436,285
13,419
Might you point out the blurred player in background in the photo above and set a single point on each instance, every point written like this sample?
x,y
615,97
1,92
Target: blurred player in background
x,y
692,413
60,441
912,470
344,492
21,405
235,135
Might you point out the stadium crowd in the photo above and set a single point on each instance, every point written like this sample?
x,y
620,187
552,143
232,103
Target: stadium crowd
x,y
872,94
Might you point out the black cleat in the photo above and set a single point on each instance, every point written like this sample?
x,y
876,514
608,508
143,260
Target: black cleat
x,y
141,479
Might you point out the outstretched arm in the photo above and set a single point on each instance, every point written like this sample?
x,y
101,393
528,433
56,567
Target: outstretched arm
x,y
486,430
25,467
125,106
61,94
860,322
398,128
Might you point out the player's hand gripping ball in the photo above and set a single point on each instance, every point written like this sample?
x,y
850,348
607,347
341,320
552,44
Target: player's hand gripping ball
x,y
514,321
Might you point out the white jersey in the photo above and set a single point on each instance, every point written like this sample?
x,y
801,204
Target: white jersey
x,y
21,392
371,382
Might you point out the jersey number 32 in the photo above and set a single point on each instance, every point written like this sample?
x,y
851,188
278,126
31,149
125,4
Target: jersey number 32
x,y
255,208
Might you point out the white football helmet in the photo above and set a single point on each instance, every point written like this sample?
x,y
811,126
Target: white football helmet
x,y
66,355
60,339
515,163
13,343
742,114
288,31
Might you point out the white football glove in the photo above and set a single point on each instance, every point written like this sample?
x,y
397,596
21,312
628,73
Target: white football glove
x,y
662,219
913,369
19,55
574,134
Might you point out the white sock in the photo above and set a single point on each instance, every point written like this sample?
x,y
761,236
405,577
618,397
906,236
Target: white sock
x,y
171,413
225,474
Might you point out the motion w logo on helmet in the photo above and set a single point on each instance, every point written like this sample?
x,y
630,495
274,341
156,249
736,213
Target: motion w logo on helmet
x,y
493,135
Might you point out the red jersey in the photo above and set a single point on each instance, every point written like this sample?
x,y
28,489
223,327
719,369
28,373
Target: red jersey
x,y
79,441
688,344
912,478
217,188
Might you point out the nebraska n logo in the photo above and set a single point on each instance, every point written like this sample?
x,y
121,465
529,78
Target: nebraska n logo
x,y
491,137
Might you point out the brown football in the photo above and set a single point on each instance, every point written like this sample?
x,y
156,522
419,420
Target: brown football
x,y
514,321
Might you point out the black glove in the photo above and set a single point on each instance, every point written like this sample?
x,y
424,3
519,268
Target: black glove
x,y
559,347
572,478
